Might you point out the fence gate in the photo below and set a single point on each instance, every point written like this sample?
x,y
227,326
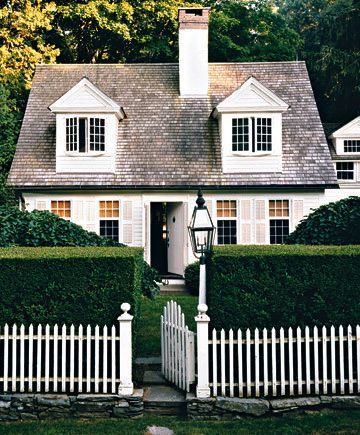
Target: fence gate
x,y
177,347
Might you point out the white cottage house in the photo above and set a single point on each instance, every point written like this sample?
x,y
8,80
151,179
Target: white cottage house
x,y
122,149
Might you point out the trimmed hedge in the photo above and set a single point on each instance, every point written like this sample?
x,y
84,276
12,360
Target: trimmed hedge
x,y
68,285
274,286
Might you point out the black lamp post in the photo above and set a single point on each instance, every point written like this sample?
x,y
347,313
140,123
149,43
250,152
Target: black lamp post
x,y
201,232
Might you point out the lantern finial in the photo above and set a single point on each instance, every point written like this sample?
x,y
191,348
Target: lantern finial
x,y
200,200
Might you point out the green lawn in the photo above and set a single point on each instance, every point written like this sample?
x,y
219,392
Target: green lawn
x,y
345,422
148,339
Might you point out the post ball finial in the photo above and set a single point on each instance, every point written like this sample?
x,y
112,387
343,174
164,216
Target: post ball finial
x,y
202,308
125,307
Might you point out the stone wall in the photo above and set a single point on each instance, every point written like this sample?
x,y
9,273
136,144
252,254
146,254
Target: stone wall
x,y
216,408
42,406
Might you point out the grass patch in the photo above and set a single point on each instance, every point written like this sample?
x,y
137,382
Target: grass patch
x,y
148,338
321,423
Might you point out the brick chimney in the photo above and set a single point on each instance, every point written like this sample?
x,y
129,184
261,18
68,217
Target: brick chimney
x,y
193,51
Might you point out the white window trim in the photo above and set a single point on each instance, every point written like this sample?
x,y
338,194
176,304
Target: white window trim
x,y
268,217
87,152
98,218
342,180
236,219
61,198
251,135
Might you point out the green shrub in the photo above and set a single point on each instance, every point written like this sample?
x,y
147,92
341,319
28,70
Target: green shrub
x,y
192,278
42,228
151,277
68,285
337,223
273,286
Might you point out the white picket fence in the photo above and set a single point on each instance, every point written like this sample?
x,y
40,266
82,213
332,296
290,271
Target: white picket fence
x,y
177,347
67,359
276,363
272,363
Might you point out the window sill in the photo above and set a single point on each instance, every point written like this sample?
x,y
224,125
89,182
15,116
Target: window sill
x,y
247,154
91,154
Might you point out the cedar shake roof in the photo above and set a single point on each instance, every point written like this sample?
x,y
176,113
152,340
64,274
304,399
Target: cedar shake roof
x,y
168,141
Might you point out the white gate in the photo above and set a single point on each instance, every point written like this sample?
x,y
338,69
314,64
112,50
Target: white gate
x,y
177,347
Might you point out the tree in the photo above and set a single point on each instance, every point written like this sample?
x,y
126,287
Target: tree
x,y
336,223
330,32
243,31
23,24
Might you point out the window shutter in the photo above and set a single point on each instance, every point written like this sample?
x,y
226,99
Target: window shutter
x,y
138,223
30,204
260,222
41,205
298,211
128,222
186,234
147,233
89,215
245,221
209,205
77,212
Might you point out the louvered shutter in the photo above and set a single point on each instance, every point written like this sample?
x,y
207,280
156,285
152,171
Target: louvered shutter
x,y
147,232
30,204
77,212
41,205
138,223
89,216
244,206
127,222
298,211
260,221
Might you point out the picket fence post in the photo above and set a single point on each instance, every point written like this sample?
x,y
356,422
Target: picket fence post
x,y
202,323
126,387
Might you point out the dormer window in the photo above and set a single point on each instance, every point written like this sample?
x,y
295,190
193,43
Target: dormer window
x,y
85,134
250,122
87,123
252,135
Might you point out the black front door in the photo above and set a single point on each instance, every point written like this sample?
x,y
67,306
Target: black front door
x,y
158,234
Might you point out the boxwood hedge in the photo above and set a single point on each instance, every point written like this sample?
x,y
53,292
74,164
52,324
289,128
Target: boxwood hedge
x,y
68,284
273,286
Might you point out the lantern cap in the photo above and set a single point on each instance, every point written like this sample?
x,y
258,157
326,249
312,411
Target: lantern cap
x,y
200,201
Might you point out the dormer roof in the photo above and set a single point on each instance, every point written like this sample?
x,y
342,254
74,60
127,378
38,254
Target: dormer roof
x,y
349,130
85,97
252,96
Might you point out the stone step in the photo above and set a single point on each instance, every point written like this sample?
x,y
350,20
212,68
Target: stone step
x,y
149,362
154,377
174,290
164,400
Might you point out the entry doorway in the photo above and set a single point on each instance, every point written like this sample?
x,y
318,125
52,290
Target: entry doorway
x,y
167,238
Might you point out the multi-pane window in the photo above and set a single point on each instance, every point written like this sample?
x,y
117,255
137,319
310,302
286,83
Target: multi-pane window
x,y
352,146
61,208
85,134
279,213
71,134
240,134
263,134
252,134
345,170
226,222
109,227
97,134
